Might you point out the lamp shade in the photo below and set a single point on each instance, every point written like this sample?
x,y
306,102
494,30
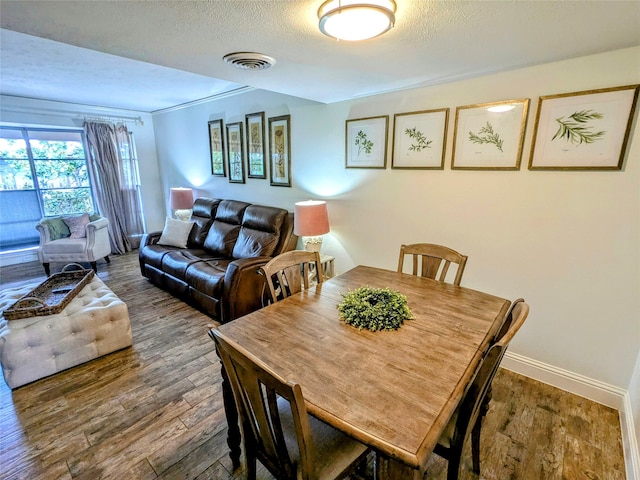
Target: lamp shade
x,y
310,218
181,198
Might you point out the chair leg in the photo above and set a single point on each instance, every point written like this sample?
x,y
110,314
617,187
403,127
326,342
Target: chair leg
x,y
475,432
376,474
94,265
453,469
251,466
107,259
47,270
475,446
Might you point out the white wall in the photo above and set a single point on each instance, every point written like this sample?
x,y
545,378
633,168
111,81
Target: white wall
x,y
568,242
42,113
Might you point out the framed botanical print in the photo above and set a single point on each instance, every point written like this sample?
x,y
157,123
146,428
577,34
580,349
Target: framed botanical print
x,y
280,150
586,130
489,136
256,146
216,147
234,152
419,139
366,142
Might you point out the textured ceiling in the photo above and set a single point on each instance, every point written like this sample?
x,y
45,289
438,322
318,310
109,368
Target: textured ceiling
x,y
164,53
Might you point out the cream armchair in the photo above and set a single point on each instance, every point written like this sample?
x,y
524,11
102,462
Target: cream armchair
x,y
57,246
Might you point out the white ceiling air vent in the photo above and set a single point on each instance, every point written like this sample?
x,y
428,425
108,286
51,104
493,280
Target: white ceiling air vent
x,y
249,60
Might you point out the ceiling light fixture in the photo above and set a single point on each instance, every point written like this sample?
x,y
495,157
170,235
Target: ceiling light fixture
x,y
354,20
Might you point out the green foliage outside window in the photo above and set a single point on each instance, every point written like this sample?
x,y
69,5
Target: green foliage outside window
x,y
60,168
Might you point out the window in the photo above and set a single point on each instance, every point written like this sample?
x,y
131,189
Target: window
x,y
42,173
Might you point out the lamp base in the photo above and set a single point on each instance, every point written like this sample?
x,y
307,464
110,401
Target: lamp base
x,y
312,244
183,214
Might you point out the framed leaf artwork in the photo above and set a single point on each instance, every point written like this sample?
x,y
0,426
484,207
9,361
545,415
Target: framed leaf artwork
x,y
280,150
216,147
586,130
256,145
489,136
366,142
234,152
419,139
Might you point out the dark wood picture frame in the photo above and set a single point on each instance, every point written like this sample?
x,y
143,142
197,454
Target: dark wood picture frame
x,y
256,145
235,156
217,148
280,150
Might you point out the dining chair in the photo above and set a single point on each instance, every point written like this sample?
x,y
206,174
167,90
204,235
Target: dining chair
x,y
467,419
289,272
433,259
507,321
276,428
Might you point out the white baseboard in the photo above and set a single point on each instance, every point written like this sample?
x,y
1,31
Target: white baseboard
x,y
586,387
630,441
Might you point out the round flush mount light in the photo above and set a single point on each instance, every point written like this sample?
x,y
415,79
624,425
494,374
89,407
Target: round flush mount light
x,y
249,60
354,20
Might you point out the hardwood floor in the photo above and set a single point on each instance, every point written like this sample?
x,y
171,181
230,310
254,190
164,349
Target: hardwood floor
x,y
155,410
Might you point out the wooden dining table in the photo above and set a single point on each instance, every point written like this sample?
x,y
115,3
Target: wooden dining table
x,y
392,390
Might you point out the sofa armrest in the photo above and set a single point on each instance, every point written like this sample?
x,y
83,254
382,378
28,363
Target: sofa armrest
x,y
45,234
150,239
92,227
98,243
95,230
243,288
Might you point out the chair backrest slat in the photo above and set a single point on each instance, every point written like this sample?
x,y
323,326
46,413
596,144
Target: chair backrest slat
x,y
433,259
289,272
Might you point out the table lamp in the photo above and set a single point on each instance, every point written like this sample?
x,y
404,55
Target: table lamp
x,y
310,221
181,201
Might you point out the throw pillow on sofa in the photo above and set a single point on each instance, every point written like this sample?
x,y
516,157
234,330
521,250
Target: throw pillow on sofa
x,y
77,225
57,228
175,233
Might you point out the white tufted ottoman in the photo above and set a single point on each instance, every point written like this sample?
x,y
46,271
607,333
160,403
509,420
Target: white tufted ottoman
x,y
95,322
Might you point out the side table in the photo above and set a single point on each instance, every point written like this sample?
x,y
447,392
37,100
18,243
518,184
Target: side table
x,y
327,266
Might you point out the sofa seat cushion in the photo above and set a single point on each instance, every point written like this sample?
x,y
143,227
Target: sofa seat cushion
x,y
260,232
208,277
153,254
176,262
65,245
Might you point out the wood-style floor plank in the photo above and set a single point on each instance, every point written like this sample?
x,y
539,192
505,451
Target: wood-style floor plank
x,y
154,410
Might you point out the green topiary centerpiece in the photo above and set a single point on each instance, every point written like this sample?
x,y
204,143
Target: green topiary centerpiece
x,y
374,308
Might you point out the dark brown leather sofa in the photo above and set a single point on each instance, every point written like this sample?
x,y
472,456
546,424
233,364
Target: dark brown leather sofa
x,y
218,271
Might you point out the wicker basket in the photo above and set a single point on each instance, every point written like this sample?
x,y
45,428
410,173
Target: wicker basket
x,y
52,295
